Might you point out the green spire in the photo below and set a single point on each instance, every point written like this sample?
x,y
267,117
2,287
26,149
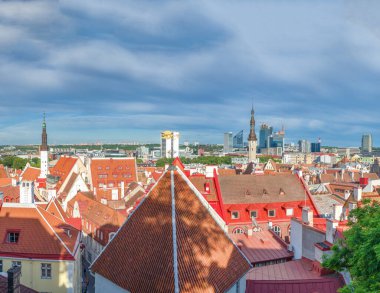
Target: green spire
x,y
44,121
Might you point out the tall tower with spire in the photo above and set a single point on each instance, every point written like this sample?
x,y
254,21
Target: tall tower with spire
x,y
44,151
252,139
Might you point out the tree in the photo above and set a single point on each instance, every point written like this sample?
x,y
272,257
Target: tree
x,y
359,251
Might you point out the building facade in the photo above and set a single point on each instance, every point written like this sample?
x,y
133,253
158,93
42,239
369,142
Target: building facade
x,y
169,144
228,142
367,143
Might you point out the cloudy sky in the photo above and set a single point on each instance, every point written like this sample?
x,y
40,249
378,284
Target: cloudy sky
x,y
119,71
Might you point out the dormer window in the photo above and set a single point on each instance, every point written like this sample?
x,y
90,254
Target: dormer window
x,y
235,215
12,236
253,214
271,213
289,211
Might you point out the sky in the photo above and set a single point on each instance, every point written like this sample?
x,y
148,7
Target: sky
x,y
121,71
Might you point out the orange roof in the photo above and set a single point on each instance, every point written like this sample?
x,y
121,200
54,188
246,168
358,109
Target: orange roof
x,y
11,193
31,174
3,172
62,169
141,253
112,171
5,181
41,234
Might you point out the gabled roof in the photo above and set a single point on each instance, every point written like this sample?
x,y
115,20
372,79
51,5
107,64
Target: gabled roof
x,y
172,241
42,235
261,189
3,172
12,193
30,174
113,171
62,169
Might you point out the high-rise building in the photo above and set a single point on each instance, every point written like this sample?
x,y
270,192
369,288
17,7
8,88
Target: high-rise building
x,y
227,146
315,147
304,146
367,143
252,139
265,133
238,140
169,144
44,152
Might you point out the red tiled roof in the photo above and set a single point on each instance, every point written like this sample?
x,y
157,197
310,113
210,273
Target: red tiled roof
x,y
31,174
62,169
200,181
11,193
3,172
5,181
113,171
292,276
41,234
261,246
141,253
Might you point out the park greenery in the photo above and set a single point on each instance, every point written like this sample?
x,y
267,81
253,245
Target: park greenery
x,y
19,163
207,160
359,251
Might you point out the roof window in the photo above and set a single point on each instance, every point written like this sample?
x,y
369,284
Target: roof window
x,y
13,236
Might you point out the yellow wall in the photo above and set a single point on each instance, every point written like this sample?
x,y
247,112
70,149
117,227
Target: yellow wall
x,y
60,270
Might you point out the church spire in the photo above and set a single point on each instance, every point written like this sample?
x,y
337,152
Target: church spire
x,y
44,146
252,133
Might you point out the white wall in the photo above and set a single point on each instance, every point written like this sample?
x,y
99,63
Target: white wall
x,y
104,285
296,238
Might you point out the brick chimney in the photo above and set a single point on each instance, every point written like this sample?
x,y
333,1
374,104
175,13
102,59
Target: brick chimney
x,y
207,187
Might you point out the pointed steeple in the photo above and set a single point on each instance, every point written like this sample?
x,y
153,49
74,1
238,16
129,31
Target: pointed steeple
x,y
44,146
252,133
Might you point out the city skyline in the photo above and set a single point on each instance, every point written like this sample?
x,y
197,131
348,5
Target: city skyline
x,y
117,72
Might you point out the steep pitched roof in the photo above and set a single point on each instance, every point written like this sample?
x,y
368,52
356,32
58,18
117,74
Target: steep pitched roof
x,y
113,171
261,188
62,169
31,174
172,241
42,235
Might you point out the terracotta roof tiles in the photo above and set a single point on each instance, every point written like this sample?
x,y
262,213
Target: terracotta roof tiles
x,y
141,253
31,174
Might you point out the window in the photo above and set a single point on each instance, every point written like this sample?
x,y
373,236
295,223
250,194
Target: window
x,y
12,237
235,215
238,231
271,213
253,214
289,212
1,266
45,271
277,230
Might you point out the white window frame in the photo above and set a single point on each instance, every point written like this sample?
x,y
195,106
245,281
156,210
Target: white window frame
x,y
250,213
274,213
235,217
46,269
277,230
289,212
238,230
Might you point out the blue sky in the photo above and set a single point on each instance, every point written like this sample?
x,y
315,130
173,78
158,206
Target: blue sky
x,y
121,71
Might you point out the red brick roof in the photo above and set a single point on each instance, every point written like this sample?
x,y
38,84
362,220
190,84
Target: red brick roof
x,y
113,171
31,174
141,253
42,235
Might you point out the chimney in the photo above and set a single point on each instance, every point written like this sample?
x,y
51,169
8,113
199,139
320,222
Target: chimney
x,y
352,205
358,193
307,216
346,194
337,212
14,274
207,187
14,182
330,230
122,189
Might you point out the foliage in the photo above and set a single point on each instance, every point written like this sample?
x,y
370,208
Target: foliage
x,y
359,252
207,160
19,163
265,159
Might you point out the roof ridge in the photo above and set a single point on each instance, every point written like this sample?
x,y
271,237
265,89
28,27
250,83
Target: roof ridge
x,y
174,233
59,238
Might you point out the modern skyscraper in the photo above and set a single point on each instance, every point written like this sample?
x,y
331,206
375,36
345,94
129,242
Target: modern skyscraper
x,y
367,143
238,140
44,152
265,133
169,144
227,146
252,139
315,147
304,146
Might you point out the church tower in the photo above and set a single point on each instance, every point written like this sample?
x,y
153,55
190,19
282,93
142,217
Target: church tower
x,y
44,152
252,140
